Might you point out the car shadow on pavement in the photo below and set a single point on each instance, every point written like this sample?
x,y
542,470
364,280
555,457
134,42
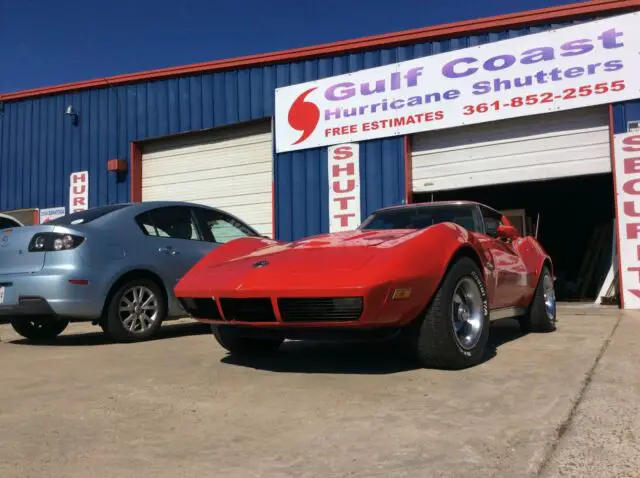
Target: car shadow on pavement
x,y
361,358
89,339
502,332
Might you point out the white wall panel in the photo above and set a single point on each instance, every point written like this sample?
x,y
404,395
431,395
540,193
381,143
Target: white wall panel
x,y
538,147
231,169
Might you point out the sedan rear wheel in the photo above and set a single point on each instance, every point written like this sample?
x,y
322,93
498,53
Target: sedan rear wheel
x,y
135,311
138,309
39,328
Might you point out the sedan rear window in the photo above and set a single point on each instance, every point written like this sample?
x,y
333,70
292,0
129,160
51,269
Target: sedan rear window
x,y
83,217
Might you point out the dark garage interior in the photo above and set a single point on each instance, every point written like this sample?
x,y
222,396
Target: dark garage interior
x,y
576,221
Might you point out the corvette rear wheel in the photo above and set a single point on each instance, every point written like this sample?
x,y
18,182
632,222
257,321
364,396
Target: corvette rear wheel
x,y
239,345
454,330
542,312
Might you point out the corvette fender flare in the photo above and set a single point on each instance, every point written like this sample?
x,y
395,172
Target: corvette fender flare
x,y
444,243
536,258
454,242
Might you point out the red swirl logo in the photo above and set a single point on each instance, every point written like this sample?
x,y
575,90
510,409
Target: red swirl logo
x,y
304,116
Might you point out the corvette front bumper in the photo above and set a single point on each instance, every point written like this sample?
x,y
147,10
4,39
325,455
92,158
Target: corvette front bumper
x,y
347,308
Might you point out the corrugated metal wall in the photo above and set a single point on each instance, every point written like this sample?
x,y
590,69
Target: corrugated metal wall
x,y
624,112
302,192
39,147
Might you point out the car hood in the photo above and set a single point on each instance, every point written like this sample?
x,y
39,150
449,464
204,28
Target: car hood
x,y
345,251
338,258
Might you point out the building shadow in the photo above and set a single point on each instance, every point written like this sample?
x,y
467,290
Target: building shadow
x,y
359,357
168,330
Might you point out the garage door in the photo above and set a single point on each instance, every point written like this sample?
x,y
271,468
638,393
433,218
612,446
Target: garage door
x,y
230,169
552,145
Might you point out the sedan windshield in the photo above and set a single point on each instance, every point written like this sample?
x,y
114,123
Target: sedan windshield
x,y
419,217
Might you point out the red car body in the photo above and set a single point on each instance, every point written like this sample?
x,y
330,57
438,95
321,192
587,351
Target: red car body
x,y
362,279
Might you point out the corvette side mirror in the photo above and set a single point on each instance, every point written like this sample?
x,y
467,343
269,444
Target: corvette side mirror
x,y
507,232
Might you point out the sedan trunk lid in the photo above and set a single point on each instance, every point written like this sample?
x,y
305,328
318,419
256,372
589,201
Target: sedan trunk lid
x,y
15,257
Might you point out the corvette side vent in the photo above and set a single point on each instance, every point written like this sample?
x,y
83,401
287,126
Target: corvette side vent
x,y
248,310
201,308
320,309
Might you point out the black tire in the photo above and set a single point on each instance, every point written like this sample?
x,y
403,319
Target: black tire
x,y
39,329
237,344
537,319
116,324
433,337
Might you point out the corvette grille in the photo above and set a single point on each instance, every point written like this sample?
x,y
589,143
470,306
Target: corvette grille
x,y
319,309
201,308
248,310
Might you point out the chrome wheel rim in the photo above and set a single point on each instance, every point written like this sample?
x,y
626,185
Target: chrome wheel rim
x,y
549,297
467,312
138,309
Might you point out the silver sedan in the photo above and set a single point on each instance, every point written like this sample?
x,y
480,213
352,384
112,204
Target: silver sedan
x,y
115,265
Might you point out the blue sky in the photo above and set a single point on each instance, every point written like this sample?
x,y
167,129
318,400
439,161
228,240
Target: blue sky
x,y
45,42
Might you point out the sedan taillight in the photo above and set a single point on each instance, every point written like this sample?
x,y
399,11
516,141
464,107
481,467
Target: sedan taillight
x,y
51,242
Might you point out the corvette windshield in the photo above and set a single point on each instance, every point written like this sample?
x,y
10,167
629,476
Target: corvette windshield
x,y
419,217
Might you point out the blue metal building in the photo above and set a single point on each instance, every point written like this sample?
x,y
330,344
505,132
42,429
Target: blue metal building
x,y
40,146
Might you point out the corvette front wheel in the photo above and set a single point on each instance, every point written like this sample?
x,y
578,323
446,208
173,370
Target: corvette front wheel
x,y
239,345
454,330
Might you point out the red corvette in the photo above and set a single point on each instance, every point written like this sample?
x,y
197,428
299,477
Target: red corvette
x,y
435,274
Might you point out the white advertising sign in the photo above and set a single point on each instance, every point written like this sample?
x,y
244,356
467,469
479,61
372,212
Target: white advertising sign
x,y
344,187
79,191
49,214
572,67
627,170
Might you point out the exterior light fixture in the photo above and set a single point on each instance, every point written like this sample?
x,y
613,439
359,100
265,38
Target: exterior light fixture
x,y
73,114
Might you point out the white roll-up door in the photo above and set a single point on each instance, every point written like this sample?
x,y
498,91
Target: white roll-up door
x,y
553,145
230,169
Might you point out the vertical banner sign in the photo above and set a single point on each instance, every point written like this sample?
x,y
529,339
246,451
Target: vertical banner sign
x,y
79,191
627,164
344,187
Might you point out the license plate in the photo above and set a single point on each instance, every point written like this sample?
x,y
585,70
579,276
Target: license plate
x,y
1,295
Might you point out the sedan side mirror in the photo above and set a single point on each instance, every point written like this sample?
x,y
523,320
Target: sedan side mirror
x,y
507,232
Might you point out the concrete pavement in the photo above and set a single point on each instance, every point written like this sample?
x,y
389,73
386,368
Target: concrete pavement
x,y
178,406
602,435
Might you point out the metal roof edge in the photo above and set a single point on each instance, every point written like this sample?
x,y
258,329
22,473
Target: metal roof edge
x,y
347,46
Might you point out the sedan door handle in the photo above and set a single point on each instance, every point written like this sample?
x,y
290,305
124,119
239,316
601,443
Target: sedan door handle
x,y
169,250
